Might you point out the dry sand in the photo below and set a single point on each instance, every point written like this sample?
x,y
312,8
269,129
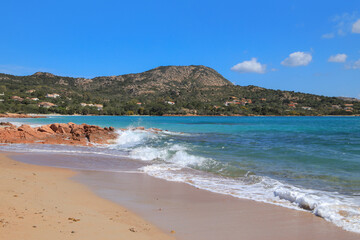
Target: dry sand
x,y
43,203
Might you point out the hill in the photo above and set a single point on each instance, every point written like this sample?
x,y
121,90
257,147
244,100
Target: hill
x,y
177,90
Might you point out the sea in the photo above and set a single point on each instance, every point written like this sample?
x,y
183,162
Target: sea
x,y
304,163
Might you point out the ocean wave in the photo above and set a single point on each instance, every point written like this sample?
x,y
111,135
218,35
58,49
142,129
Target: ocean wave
x,y
172,159
340,210
175,154
132,137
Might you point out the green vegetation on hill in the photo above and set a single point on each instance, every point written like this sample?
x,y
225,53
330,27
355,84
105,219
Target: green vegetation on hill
x,y
176,90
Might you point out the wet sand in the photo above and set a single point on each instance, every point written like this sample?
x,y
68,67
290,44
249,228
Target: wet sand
x,y
198,214
39,202
191,213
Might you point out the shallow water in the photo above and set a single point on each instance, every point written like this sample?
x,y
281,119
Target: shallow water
x,y
310,163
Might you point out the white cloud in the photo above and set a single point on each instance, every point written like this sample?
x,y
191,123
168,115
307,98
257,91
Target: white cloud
x,y
328,35
356,64
252,66
339,58
353,65
297,59
356,27
343,24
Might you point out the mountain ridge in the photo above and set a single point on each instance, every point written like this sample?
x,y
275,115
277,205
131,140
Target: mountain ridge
x,y
193,89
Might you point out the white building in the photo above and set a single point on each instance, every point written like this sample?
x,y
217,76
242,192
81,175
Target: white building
x,y
54,95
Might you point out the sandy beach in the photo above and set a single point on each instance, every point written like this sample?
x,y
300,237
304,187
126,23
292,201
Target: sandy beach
x,y
199,214
42,203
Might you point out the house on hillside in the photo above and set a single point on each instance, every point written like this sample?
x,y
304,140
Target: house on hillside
x,y
98,106
53,95
17,98
170,102
306,108
242,102
292,104
34,99
46,104
31,91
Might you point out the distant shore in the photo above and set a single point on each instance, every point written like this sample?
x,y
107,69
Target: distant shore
x,y
35,115
20,115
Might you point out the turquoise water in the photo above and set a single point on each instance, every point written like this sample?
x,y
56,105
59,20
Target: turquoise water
x,y
310,163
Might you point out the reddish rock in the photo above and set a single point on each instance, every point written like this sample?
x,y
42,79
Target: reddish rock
x,y
25,128
156,130
45,129
6,124
54,126
56,133
16,115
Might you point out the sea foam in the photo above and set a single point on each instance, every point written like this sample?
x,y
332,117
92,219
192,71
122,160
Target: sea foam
x,y
165,157
175,162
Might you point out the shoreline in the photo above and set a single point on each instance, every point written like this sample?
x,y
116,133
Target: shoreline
x,y
39,115
39,202
199,214
203,215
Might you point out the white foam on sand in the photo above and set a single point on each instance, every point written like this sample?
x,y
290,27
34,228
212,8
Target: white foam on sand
x,y
174,161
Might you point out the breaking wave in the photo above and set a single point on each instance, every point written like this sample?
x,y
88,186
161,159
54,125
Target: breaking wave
x,y
172,160
171,156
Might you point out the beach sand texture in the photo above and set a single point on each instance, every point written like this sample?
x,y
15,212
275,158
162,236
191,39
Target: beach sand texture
x,y
197,214
43,203
40,202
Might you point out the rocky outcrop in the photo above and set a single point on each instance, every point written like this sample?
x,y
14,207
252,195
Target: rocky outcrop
x,y
57,133
43,74
163,79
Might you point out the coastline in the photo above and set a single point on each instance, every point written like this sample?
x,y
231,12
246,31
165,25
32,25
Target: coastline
x,y
203,215
191,212
40,202
39,115
117,170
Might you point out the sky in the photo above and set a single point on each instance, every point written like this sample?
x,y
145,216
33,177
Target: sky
x,y
306,46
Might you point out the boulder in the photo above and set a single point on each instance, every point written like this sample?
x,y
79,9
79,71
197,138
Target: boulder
x,y
6,124
45,129
63,133
54,126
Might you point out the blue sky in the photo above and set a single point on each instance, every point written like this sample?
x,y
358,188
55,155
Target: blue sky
x,y
307,46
